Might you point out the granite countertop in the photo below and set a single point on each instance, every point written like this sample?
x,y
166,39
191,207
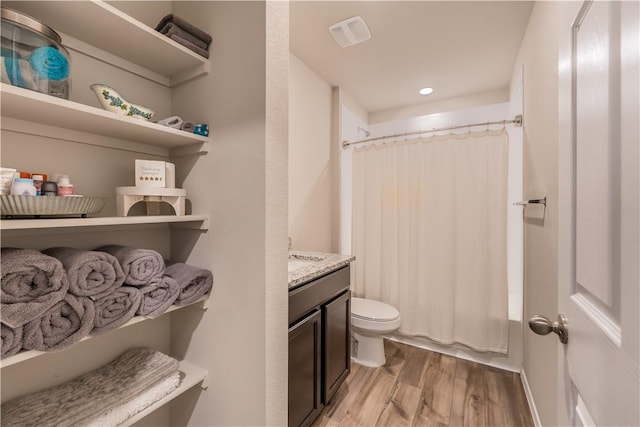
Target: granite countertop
x,y
305,266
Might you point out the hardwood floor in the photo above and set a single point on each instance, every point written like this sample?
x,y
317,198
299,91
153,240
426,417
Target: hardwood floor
x,y
417,387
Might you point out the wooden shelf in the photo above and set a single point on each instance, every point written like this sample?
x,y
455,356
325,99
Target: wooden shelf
x,y
111,30
191,376
105,221
36,107
31,354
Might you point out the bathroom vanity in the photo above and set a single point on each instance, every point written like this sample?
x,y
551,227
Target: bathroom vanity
x,y
319,331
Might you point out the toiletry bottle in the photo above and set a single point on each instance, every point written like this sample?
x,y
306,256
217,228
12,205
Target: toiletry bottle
x,y
23,187
6,180
65,188
49,188
37,182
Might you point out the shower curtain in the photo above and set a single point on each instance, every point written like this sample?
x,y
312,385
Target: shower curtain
x,y
430,235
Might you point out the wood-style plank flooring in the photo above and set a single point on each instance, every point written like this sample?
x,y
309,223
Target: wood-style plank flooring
x,y
417,387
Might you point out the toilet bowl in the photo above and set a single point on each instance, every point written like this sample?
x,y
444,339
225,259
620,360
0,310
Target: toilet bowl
x,y
370,321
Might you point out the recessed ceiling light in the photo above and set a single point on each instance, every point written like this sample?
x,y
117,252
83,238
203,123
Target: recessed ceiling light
x,y
425,91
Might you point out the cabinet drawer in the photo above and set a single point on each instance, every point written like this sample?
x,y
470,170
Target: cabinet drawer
x,y
309,296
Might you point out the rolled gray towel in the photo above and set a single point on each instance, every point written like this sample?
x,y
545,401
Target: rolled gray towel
x,y
158,296
31,283
61,326
140,266
187,43
173,29
91,273
84,400
194,282
116,309
11,340
186,26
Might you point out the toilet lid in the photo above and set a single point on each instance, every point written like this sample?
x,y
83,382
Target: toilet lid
x,y
373,310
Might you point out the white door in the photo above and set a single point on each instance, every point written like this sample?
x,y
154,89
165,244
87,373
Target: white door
x,y
599,217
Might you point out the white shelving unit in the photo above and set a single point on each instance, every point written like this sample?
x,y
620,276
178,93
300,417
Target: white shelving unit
x,y
36,107
199,221
31,354
112,31
102,32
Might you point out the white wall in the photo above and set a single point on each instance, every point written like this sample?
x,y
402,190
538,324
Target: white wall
x,y
353,128
313,164
448,104
242,337
538,64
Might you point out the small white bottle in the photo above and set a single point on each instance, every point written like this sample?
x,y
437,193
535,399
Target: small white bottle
x,y
23,187
65,188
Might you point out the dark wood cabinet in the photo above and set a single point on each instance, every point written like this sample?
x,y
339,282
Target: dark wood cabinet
x,y
305,370
336,340
319,344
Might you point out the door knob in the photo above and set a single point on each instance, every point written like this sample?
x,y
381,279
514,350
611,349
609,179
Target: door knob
x,y
543,326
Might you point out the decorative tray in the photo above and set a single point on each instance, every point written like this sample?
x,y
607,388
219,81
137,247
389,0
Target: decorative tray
x,y
36,206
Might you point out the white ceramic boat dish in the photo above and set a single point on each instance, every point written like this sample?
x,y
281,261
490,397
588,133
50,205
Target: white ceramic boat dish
x,y
111,100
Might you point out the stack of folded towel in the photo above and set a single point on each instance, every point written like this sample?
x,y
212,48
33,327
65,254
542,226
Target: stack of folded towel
x,y
54,298
188,35
110,395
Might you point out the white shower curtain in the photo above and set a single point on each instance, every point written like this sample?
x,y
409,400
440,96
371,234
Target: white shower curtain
x,y
430,235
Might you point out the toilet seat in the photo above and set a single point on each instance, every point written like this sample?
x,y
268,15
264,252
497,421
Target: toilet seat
x,y
373,311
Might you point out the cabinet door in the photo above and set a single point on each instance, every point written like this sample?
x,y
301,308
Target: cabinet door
x,y
304,370
336,360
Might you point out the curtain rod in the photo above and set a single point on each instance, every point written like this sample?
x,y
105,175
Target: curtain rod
x,y
517,121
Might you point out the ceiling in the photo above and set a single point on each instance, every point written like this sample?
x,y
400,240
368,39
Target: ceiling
x,y
456,47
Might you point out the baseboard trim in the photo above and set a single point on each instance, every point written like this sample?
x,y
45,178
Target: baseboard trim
x,y
529,395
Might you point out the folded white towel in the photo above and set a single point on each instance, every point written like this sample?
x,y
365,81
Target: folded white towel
x,y
122,413
90,396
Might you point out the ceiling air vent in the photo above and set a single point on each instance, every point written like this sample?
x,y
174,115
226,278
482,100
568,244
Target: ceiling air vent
x,y
350,31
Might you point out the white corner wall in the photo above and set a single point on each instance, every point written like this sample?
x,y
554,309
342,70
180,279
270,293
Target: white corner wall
x,y
537,67
242,337
353,128
448,104
313,164
276,224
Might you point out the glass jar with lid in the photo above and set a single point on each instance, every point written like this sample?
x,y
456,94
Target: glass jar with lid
x,y
33,56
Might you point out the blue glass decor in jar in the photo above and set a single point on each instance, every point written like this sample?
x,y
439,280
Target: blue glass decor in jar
x,y
33,56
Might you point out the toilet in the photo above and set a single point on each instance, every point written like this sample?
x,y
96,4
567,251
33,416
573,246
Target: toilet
x,y
370,321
